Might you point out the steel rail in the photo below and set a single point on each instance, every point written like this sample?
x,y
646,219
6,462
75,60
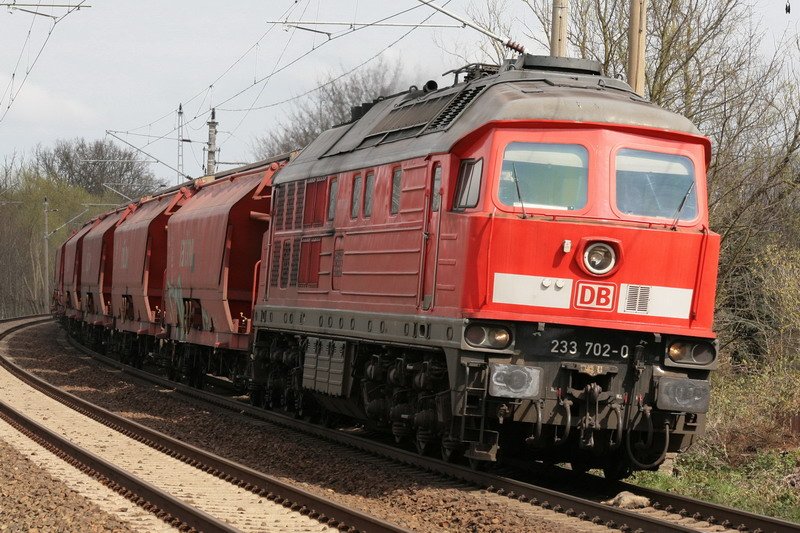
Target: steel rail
x,y
713,513
581,508
594,511
152,499
305,502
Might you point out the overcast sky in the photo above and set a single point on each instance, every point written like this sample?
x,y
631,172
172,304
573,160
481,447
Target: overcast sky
x,y
125,65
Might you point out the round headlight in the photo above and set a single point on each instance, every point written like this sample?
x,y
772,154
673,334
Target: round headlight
x,y
499,338
475,335
703,353
517,380
599,258
679,351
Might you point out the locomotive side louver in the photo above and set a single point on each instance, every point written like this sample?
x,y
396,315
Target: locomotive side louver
x,y
278,204
638,299
285,256
299,205
276,263
295,262
454,109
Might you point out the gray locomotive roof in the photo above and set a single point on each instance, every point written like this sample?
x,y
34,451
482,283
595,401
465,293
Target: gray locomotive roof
x,y
441,118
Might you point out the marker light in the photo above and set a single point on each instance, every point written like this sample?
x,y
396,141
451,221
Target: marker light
x,y
484,336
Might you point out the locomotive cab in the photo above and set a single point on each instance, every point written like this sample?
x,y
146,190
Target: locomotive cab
x,y
588,293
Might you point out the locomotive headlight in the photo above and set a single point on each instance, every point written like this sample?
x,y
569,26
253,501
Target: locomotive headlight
x,y
514,381
484,336
703,353
475,335
683,395
690,353
679,351
499,338
599,258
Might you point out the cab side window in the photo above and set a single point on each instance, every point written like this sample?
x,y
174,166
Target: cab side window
x,y
332,199
368,192
355,200
436,198
397,189
468,187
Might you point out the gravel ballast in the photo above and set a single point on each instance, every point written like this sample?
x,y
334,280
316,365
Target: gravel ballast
x,y
31,500
401,495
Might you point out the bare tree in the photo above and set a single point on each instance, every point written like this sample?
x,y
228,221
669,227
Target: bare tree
x,y
492,15
89,164
704,62
328,106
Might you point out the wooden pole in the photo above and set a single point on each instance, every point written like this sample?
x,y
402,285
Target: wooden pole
x,y
637,31
558,33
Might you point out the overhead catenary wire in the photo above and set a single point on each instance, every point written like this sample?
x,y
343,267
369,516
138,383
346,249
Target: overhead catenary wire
x,y
14,94
109,132
264,86
19,59
265,78
224,73
342,75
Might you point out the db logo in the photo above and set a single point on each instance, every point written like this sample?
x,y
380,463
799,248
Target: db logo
x,y
595,295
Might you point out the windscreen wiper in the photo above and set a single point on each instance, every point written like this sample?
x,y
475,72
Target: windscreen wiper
x,y
516,184
681,206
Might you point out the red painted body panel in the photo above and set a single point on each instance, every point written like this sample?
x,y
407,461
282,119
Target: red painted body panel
x,y
213,245
140,259
97,269
652,254
72,270
58,302
384,263
380,264
651,257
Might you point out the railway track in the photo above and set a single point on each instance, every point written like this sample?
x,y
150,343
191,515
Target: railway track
x,y
184,486
667,512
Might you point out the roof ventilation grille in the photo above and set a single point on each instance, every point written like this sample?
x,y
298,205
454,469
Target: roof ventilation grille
x,y
456,107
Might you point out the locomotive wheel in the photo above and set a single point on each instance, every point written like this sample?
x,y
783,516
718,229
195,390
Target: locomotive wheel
x,y
450,450
579,467
257,397
424,441
478,465
617,471
275,399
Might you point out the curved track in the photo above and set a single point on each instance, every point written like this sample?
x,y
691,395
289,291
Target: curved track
x,y
207,474
668,512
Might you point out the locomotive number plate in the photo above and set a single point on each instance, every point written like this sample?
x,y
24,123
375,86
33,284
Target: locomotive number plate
x,y
580,343
587,348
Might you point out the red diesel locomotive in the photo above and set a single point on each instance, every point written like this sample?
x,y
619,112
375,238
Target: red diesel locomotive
x,y
516,265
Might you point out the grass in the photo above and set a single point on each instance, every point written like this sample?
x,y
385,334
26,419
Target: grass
x,y
756,485
748,450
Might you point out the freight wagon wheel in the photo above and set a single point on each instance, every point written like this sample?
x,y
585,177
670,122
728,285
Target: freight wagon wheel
x,y
275,399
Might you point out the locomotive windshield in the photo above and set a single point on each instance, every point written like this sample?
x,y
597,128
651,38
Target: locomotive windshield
x,y
652,184
550,176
